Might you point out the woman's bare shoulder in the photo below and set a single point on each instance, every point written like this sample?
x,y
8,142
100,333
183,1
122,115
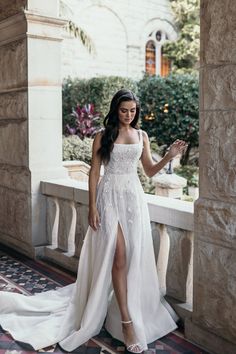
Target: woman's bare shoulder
x,y
145,136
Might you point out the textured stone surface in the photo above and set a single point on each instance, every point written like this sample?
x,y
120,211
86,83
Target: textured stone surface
x,y
210,341
215,222
13,144
15,215
13,105
218,84
15,74
215,289
218,159
10,8
179,263
15,177
218,29
214,300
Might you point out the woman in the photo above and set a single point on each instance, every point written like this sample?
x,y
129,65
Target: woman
x,y
117,253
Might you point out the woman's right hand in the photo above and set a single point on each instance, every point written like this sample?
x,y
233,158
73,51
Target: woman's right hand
x,y
93,218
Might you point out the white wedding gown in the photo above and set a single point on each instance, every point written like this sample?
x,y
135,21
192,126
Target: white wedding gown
x,y
73,314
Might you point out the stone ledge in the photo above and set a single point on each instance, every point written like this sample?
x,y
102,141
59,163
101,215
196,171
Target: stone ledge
x,y
65,188
18,245
207,340
171,212
63,259
183,309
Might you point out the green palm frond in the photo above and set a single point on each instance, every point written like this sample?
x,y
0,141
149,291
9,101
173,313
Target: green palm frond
x,y
79,33
75,30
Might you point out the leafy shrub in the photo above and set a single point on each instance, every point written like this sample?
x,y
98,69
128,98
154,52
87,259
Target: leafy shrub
x,y
190,173
170,109
76,149
98,90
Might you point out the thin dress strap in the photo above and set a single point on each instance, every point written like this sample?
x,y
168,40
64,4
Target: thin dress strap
x,y
140,133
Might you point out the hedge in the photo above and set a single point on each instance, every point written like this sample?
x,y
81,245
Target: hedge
x,y
170,108
169,105
98,91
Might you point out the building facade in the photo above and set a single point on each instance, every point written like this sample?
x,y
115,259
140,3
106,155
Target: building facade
x,y
127,35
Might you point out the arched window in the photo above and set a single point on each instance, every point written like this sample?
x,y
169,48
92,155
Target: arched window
x,y
165,64
151,58
155,62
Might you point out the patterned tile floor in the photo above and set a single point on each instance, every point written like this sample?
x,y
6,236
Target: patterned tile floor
x,y
23,275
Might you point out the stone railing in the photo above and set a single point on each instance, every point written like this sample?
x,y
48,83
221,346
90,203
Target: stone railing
x,y
172,230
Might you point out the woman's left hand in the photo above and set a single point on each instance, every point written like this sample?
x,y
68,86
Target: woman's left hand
x,y
178,147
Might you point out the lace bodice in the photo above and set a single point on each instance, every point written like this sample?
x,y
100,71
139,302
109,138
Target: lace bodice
x,y
124,158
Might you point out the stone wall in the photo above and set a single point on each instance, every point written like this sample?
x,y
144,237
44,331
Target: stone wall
x,y
30,129
10,8
214,308
15,177
119,31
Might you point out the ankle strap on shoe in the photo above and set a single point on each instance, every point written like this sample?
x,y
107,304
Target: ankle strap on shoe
x,y
126,322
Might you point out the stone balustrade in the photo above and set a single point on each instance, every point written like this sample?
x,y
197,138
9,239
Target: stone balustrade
x,y
172,230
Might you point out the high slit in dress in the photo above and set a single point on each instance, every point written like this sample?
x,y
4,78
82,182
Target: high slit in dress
x,y
75,313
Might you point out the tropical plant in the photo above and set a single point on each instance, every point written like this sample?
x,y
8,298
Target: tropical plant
x,y
98,90
184,52
74,29
85,122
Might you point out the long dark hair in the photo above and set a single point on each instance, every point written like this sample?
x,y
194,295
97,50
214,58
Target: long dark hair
x,y
111,122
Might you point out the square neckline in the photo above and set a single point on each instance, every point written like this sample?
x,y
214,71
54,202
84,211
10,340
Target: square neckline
x,y
139,135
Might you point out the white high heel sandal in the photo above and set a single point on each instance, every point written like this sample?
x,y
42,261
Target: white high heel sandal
x,y
131,347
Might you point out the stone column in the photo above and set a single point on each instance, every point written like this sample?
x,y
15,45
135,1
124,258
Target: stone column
x,y
30,117
213,323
